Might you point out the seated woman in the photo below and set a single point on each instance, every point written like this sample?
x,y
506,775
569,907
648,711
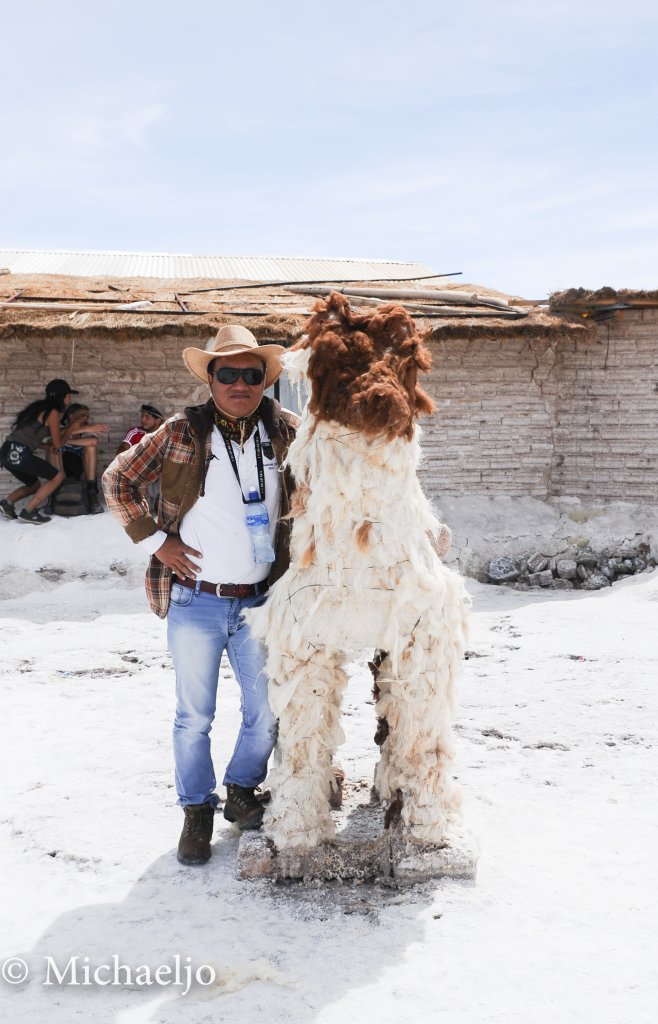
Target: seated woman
x,y
79,451
35,426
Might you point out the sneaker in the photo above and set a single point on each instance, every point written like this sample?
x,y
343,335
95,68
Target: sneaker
x,y
35,516
243,807
194,842
7,509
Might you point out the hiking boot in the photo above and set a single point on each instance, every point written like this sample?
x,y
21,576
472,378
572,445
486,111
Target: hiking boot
x,y
92,497
35,516
336,780
194,842
7,509
243,807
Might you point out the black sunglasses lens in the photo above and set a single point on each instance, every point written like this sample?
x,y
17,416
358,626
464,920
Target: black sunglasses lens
x,y
229,375
253,376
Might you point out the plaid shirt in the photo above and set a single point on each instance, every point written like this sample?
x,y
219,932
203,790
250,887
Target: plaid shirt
x,y
178,455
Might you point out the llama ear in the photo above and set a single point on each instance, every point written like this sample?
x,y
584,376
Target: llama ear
x,y
424,404
411,377
295,362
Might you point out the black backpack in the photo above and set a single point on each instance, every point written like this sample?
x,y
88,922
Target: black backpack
x,y
70,498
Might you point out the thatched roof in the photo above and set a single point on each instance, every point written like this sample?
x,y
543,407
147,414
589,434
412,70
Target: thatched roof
x,y
585,300
50,303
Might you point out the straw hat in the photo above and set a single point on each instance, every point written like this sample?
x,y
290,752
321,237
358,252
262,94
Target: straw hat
x,y
234,340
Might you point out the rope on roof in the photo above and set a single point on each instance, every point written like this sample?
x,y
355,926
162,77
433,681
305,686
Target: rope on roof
x,y
331,280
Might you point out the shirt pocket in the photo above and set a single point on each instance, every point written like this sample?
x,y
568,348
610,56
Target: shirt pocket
x,y
175,480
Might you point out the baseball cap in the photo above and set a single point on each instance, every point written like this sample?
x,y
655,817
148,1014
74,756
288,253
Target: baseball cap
x,y
59,388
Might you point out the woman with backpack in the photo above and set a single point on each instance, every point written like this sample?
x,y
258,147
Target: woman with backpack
x,y
33,425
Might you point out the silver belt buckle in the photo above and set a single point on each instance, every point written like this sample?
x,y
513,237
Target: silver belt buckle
x,y
217,589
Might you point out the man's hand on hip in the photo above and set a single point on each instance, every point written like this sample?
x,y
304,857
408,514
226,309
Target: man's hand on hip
x,y
175,554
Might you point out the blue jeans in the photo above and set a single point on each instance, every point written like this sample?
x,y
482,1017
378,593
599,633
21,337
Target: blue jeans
x,y
200,627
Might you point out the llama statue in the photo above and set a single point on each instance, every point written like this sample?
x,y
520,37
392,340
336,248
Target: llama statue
x,y
364,574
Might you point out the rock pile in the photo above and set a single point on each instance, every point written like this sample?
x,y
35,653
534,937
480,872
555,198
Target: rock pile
x,y
572,568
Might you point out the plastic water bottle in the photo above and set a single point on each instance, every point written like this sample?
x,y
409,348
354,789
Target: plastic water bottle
x,y
258,524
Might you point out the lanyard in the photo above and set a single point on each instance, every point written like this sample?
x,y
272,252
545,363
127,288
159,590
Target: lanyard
x,y
259,468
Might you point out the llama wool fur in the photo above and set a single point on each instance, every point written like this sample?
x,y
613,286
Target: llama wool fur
x,y
364,574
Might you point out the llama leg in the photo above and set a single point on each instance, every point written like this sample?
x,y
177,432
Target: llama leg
x,y
383,678
414,774
380,669
309,733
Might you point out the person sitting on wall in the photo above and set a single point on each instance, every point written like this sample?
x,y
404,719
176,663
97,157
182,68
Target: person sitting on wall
x,y
79,453
82,454
73,454
35,426
150,419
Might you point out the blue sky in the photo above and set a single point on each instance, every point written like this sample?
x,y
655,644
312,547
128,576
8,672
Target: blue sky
x,y
515,142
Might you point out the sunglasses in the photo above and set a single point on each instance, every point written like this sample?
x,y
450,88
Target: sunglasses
x,y
229,375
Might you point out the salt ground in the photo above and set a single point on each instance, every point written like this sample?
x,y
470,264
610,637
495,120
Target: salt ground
x,y
557,740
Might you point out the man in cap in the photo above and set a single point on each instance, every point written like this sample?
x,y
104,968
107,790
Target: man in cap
x,y
212,461
150,418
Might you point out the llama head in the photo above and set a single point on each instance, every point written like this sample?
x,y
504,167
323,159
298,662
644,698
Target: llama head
x,y
363,367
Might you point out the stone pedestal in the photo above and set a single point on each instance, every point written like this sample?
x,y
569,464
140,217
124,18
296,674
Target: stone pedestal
x,y
363,851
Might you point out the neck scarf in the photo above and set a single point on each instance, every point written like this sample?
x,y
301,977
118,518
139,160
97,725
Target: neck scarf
x,y
239,430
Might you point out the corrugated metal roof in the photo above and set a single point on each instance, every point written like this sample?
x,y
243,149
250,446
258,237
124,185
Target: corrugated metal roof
x,y
182,265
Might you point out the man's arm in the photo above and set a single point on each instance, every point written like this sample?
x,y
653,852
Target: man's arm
x,y
134,435
132,469
441,540
89,428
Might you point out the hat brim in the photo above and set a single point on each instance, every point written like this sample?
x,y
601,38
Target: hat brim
x,y
198,360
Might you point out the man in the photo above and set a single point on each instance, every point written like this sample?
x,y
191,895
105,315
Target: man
x,y
202,574
150,418
79,453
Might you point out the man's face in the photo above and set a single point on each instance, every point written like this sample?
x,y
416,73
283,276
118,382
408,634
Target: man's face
x,y
238,399
149,422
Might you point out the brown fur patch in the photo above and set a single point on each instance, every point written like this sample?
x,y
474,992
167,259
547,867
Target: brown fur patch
x,y
336,782
364,367
308,556
362,534
382,731
299,500
394,811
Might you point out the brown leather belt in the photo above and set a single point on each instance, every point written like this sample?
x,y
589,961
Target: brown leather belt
x,y
240,590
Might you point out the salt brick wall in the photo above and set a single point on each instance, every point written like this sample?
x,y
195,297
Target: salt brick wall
x,y
571,414
566,414
492,431
606,438
113,376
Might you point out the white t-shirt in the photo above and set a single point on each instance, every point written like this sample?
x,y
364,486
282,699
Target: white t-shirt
x,y
216,524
